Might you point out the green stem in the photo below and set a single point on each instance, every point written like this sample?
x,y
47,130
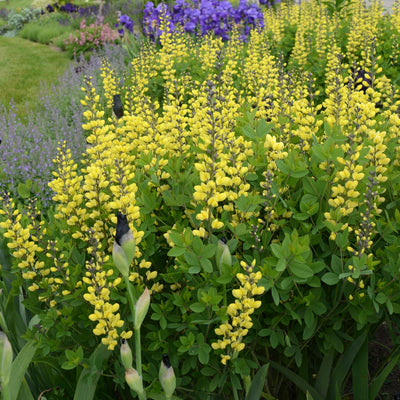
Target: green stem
x,y
142,396
224,294
138,352
138,349
131,297
235,394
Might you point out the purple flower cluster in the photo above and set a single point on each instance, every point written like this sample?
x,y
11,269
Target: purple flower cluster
x,y
67,7
124,23
203,16
70,8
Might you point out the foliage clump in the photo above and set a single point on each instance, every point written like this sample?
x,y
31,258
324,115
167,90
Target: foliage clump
x,y
259,181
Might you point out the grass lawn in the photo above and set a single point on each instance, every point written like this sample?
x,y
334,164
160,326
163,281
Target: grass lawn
x,y
13,4
31,63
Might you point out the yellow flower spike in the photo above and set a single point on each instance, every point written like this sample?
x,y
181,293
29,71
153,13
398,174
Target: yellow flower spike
x,y
240,311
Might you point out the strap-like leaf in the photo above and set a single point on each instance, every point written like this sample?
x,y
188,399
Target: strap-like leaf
x,y
344,364
361,373
302,384
378,381
87,383
19,368
257,384
324,374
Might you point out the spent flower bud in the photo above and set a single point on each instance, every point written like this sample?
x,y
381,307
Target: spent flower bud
x,y
134,380
126,354
167,377
141,308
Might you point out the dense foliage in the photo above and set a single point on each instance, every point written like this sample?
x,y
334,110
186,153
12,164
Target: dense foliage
x,y
259,180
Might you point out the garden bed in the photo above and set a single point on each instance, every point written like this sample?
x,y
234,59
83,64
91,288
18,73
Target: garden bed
x,y
231,228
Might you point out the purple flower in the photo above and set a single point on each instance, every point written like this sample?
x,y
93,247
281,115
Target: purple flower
x,y
204,16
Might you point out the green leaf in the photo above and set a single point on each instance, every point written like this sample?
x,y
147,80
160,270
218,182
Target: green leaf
x,y
281,265
324,374
197,245
68,365
197,307
23,190
336,264
330,278
19,368
25,392
344,364
70,354
176,238
207,265
301,270
87,382
176,251
308,317
277,250
257,384
381,298
309,204
275,295
204,353
342,239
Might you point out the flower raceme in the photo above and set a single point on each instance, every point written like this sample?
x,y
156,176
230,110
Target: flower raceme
x,y
240,312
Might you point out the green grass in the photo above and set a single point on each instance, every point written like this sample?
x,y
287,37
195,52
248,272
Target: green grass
x,y
44,30
23,66
14,4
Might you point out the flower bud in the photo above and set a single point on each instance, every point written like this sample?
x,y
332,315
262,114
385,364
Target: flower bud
x,y
134,380
126,354
223,256
141,308
124,245
120,260
124,237
6,358
167,377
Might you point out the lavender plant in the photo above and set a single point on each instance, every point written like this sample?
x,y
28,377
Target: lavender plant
x,y
28,147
